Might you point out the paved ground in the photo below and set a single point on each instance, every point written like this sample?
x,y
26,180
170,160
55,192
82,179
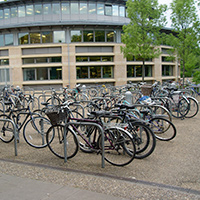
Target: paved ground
x,y
171,172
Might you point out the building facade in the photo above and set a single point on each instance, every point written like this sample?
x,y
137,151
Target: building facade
x,y
53,43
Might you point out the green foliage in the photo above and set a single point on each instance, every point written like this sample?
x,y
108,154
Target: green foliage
x,y
142,35
196,77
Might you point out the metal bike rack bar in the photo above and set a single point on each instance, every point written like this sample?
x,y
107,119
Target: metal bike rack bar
x,y
89,124
15,132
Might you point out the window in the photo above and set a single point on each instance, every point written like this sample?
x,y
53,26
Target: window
x,y
59,36
136,71
65,8
55,73
21,11
108,10
74,8
42,73
35,38
47,37
4,62
100,9
99,36
8,39
1,41
29,74
108,72
13,12
88,36
122,11
55,60
111,36
23,38
47,9
167,59
38,9
56,8
167,70
28,60
1,14
148,70
95,72
83,8
94,58
81,59
107,58
115,10
81,72
6,13
76,36
4,75
41,60
29,10
92,8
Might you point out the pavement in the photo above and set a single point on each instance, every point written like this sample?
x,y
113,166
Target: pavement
x,y
172,172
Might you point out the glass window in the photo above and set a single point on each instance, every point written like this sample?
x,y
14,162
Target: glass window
x,y
35,38
28,61
55,73
56,8
42,73
29,74
100,9
81,72
138,71
107,72
130,71
148,70
115,10
83,8
167,70
55,60
13,12
76,36
111,36
47,37
122,11
29,10
107,58
81,59
4,75
23,38
59,36
92,8
41,60
65,8
88,36
21,11
4,62
108,10
1,14
167,59
8,39
74,8
99,36
1,41
6,13
38,9
95,72
47,9
95,58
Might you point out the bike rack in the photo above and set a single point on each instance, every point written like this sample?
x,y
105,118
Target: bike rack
x,y
16,135
89,124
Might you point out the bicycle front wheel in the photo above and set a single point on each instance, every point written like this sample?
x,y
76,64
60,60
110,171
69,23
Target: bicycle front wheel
x,y
119,148
34,131
55,141
163,129
194,107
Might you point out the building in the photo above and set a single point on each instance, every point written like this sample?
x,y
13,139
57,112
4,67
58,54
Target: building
x,y
53,43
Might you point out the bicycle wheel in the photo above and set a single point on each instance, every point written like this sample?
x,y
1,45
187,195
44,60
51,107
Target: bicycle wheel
x,y
54,101
144,139
194,107
55,141
34,131
163,129
181,110
6,129
119,148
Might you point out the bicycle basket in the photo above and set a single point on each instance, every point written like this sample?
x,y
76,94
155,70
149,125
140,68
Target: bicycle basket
x,y
56,115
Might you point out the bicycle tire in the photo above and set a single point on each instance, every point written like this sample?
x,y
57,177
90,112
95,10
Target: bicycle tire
x,y
54,101
194,107
119,147
55,141
163,129
6,129
144,139
34,131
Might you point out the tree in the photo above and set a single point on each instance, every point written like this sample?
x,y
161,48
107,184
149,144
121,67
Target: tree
x,y
142,35
185,25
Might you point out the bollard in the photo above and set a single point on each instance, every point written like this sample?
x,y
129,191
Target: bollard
x,y
129,97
